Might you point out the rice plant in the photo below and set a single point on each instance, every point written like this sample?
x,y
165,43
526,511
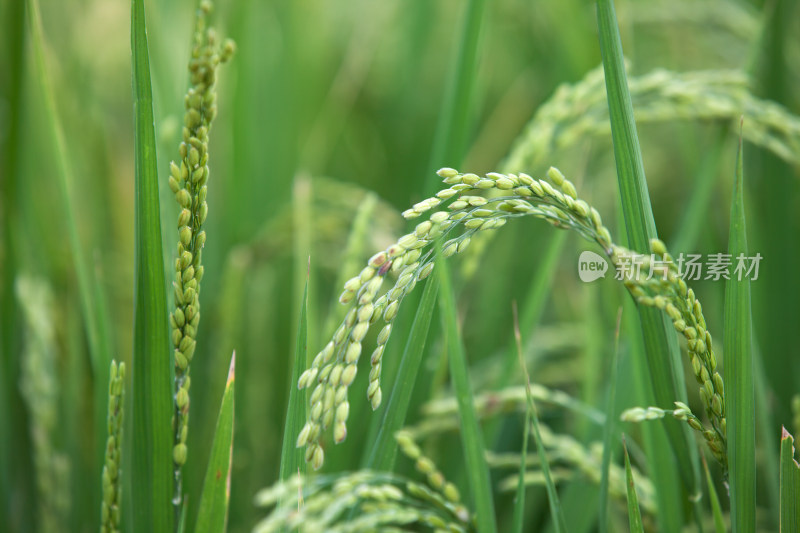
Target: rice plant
x,y
452,259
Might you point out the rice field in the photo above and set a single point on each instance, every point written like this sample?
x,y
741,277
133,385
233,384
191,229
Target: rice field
x,y
461,266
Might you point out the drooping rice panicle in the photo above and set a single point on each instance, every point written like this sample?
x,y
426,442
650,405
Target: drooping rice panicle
x,y
475,204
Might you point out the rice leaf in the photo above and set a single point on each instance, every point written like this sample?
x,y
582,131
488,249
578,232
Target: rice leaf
x,y
661,343
383,452
534,303
716,509
609,429
634,515
92,309
96,328
790,485
151,449
740,399
212,516
519,498
454,121
11,452
765,426
699,200
302,193
471,437
654,436
556,513
292,460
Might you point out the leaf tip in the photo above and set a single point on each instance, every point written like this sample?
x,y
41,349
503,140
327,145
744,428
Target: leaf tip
x,y
231,370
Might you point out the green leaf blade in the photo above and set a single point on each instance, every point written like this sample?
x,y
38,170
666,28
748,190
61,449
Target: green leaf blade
x,y
634,514
383,452
740,394
454,122
151,449
292,460
661,344
716,508
609,429
790,485
471,436
212,516
519,498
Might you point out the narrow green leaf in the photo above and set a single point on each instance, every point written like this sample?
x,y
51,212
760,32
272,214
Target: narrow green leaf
x,y
212,516
534,303
302,193
471,437
700,197
383,452
716,509
790,485
13,452
634,515
740,389
661,464
151,449
519,498
519,501
556,513
92,309
661,343
765,425
292,460
609,430
453,128
96,330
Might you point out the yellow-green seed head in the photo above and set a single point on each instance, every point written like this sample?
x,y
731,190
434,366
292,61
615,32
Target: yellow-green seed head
x,y
353,352
377,260
377,354
339,432
451,492
180,360
359,331
375,398
333,379
504,183
179,453
367,273
349,374
182,398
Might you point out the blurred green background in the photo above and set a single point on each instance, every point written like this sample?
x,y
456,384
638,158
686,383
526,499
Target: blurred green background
x,y
330,108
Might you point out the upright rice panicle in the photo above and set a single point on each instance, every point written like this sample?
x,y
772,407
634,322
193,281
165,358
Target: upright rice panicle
x,y
473,206
39,386
189,183
112,469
